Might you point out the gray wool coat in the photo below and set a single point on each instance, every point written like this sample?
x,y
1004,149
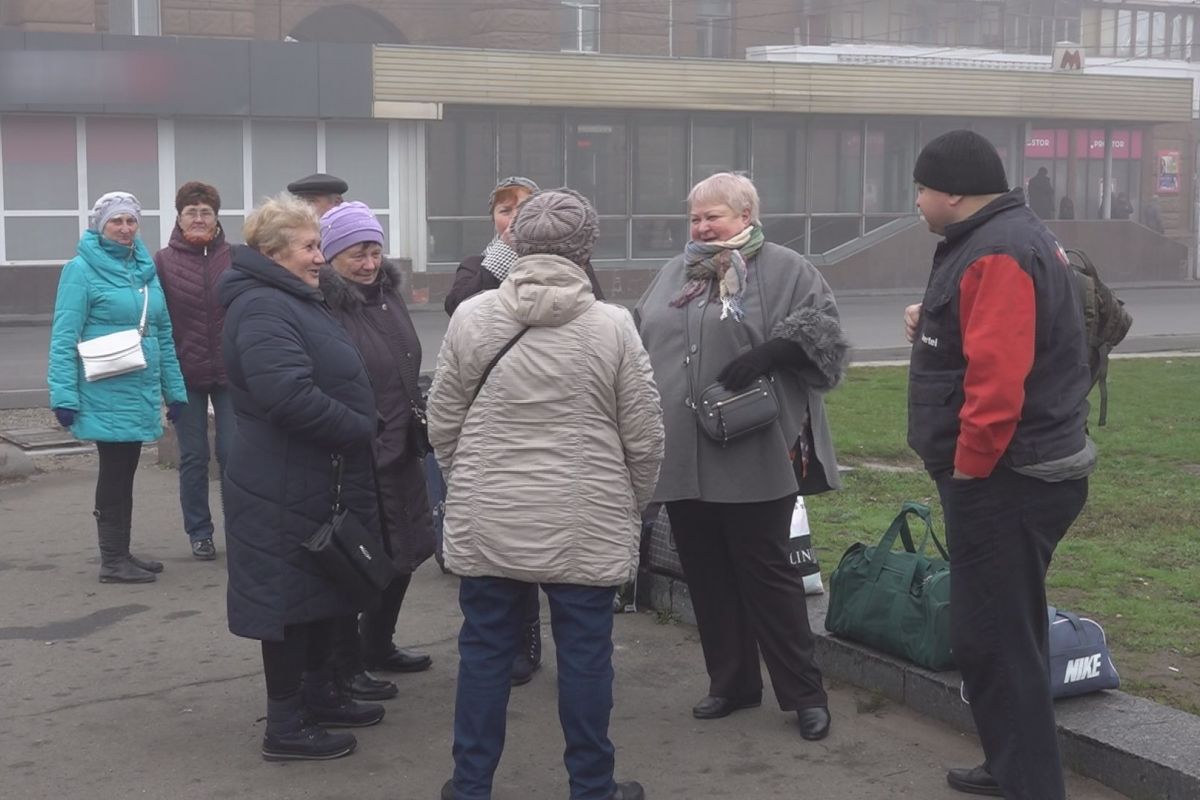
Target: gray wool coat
x,y
785,296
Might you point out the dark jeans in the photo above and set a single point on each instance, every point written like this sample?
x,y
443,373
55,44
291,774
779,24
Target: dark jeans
x,y
191,430
581,619
114,483
305,648
747,596
1003,530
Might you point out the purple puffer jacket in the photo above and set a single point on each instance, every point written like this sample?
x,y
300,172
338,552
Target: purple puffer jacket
x,y
189,277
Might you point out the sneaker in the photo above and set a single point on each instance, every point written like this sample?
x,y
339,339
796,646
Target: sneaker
x,y
204,550
326,705
308,743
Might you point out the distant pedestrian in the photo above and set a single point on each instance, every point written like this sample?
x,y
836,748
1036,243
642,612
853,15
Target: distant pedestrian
x,y
1152,215
189,268
1066,207
997,410
549,459
363,291
108,287
1122,208
320,190
302,397
1041,194
731,309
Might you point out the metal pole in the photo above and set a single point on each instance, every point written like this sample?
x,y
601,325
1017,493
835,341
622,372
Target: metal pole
x,y
670,28
1106,213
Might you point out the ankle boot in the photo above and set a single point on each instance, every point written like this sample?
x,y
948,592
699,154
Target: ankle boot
x,y
529,657
289,736
115,566
127,522
328,706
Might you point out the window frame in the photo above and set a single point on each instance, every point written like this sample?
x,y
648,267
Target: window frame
x,y
580,7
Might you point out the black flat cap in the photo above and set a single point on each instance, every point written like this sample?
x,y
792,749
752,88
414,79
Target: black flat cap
x,y
319,183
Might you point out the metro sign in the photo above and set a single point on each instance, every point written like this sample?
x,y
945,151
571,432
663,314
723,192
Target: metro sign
x,y
1068,57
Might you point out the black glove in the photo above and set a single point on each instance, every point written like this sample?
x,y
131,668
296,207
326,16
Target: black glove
x,y
741,371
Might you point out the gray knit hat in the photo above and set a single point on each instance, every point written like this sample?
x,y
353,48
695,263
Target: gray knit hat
x,y
512,182
111,204
557,222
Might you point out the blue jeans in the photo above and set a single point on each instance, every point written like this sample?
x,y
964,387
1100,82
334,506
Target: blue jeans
x,y
581,618
191,429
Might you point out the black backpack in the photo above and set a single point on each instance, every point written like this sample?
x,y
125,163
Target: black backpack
x,y
1105,321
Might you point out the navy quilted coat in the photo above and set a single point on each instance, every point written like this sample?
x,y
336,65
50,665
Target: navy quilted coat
x,y
189,275
301,393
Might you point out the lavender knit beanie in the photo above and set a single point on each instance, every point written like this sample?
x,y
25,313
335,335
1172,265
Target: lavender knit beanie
x,y
110,205
559,222
346,225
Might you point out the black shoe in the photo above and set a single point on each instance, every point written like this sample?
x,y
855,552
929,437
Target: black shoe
x,y
147,564
204,550
529,658
365,686
448,790
814,722
630,790
326,705
398,660
976,780
122,570
717,707
291,737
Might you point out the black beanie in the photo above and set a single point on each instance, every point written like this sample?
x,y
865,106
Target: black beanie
x,y
961,162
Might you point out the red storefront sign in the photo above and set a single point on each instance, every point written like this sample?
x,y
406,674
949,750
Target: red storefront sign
x,y
1044,143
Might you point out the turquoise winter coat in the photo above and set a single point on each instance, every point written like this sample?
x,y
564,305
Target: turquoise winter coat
x,y
99,292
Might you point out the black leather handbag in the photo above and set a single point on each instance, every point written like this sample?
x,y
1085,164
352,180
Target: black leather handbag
x,y
725,414
352,556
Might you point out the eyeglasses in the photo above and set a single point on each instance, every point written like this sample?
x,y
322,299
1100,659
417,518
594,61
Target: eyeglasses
x,y
202,214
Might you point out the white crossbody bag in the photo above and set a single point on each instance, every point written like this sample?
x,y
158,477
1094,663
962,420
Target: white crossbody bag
x,y
116,353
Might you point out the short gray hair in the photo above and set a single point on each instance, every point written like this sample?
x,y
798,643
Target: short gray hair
x,y
728,188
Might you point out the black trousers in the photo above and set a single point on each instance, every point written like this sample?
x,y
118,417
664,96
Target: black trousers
x,y
747,596
114,484
305,648
1003,530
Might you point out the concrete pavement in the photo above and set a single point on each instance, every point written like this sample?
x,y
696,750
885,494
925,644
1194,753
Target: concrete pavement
x,y
1164,319
139,691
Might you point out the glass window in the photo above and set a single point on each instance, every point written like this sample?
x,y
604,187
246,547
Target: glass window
x,y
1142,34
462,164
122,153
150,228
835,168
1004,135
283,152
39,164
659,238
831,232
1158,34
452,241
598,162
148,17
790,232
660,171
1100,30
714,29
718,146
358,153
779,158
140,17
613,241
41,239
210,150
532,145
1124,32
890,154
580,26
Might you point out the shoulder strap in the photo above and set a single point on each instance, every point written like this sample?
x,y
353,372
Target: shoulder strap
x,y
495,360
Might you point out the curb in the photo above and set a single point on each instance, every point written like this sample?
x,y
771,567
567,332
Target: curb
x,y
1140,748
14,463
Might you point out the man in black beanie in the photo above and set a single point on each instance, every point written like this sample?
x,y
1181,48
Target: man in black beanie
x,y
997,409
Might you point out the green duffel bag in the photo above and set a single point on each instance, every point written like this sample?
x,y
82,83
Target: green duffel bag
x,y
897,602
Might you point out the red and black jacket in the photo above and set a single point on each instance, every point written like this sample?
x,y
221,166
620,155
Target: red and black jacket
x,y
999,369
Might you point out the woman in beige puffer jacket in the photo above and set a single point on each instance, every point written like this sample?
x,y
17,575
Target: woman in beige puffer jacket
x,y
547,470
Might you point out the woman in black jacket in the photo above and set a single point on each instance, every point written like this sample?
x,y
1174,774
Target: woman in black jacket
x,y
363,291
302,397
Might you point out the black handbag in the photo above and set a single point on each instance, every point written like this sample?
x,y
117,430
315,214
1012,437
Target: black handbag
x,y
352,556
726,414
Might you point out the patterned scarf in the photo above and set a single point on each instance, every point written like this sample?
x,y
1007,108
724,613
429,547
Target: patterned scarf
x,y
498,258
726,263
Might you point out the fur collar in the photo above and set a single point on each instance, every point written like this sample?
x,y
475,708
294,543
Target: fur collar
x,y
345,296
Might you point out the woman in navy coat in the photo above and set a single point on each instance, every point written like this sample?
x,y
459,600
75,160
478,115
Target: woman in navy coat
x,y
301,397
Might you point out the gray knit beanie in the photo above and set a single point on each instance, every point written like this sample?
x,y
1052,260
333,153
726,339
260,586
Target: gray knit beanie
x,y
557,222
110,205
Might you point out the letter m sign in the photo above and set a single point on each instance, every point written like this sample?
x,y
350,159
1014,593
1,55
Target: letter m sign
x,y
1068,57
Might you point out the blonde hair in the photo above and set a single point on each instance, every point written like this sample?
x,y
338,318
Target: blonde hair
x,y
727,188
268,227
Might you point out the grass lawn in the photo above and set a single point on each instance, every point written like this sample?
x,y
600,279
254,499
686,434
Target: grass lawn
x,y
1132,559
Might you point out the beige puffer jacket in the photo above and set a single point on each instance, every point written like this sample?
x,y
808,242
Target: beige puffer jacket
x,y
548,471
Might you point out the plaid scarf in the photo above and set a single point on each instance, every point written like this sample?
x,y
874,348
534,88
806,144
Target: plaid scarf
x,y
724,262
498,258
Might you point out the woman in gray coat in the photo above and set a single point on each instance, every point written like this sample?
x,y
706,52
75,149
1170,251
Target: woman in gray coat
x,y
731,309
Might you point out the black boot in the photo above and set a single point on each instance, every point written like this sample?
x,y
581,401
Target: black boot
x,y
290,737
529,657
326,705
376,628
115,566
127,522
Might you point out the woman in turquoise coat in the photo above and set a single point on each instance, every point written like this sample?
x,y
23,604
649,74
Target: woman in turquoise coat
x,y
102,290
